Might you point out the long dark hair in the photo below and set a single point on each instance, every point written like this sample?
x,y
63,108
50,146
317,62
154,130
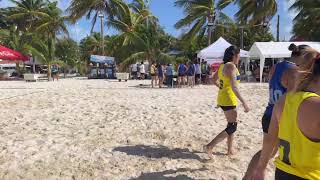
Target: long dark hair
x,y
310,70
230,53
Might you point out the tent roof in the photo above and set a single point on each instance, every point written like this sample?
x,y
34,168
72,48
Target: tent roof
x,y
276,49
217,50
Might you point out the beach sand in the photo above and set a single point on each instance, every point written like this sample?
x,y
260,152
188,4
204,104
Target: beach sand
x,y
98,129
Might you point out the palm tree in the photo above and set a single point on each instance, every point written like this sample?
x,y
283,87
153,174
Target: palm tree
x,y
150,49
201,15
89,8
67,50
50,26
127,23
45,55
253,11
141,7
307,19
26,13
4,23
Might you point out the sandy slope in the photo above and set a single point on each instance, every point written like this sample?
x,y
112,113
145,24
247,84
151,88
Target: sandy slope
x,y
96,129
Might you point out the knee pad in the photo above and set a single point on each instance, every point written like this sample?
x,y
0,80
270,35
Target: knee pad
x,y
231,128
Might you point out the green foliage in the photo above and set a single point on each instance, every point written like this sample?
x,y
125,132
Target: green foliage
x,y
67,50
254,11
91,9
198,13
307,21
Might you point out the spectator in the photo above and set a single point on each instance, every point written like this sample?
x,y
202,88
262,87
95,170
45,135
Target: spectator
x,y
154,74
197,72
190,74
257,73
55,72
134,70
160,75
142,71
169,73
181,74
204,69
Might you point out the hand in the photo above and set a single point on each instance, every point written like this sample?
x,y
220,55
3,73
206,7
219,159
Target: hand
x,y
246,107
259,174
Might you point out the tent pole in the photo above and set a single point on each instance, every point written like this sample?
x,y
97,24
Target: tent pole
x,y
262,61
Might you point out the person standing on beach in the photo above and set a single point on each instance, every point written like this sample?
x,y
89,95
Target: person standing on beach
x,y
153,73
55,72
227,80
204,69
281,82
169,74
181,74
197,72
294,128
190,74
134,70
160,75
142,71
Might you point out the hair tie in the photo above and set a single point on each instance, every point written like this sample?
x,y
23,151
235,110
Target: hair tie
x,y
318,57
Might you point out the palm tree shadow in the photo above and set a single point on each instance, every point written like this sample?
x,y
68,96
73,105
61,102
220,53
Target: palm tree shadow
x,y
158,152
162,175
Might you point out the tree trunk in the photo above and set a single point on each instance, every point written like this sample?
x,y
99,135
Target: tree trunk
x,y
211,19
64,72
33,65
49,72
18,68
209,30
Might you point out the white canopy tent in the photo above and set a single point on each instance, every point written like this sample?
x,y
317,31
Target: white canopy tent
x,y
215,51
263,50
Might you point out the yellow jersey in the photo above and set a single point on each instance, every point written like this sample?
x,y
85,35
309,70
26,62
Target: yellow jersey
x,y
226,96
153,69
298,155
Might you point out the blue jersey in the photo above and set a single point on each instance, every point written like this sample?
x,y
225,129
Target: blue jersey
x,y
276,89
182,69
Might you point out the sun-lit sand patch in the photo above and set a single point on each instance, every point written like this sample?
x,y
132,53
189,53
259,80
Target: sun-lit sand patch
x,y
97,129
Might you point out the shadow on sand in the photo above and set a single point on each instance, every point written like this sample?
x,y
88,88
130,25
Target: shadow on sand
x,y
142,86
163,175
158,152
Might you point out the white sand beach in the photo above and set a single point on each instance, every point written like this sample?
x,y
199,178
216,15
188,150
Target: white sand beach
x,y
98,129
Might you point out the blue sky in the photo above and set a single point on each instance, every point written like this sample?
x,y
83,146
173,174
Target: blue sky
x,y
168,15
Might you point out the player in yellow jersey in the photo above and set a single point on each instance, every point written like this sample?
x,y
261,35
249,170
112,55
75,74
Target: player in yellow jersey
x,y
295,128
227,79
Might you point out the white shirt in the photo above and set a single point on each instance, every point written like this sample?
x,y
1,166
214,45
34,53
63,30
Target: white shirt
x,y
142,69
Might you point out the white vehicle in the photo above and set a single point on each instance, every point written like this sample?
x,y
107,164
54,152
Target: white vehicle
x,y
9,68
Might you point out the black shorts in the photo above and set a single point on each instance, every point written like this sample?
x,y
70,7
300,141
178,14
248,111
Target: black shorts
x,y
181,74
265,123
228,108
281,175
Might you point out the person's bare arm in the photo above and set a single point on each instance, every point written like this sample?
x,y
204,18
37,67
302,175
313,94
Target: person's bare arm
x,y
231,73
270,141
289,79
216,79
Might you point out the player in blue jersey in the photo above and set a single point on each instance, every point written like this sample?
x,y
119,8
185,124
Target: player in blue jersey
x,y
282,80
